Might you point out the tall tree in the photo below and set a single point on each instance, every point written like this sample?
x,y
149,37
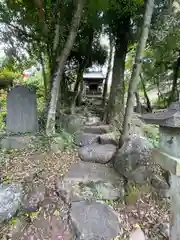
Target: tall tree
x,y
174,95
116,96
50,127
135,78
121,17
109,64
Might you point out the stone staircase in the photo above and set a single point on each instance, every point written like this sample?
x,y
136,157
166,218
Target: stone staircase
x,y
91,183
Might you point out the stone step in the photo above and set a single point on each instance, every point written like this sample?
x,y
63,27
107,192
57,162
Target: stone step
x,y
93,121
108,138
97,153
100,129
91,181
84,139
94,221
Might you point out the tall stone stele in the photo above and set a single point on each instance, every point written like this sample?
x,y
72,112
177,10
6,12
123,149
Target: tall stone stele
x,y
21,120
168,156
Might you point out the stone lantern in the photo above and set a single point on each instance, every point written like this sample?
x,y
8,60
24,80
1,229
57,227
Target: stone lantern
x,y
168,156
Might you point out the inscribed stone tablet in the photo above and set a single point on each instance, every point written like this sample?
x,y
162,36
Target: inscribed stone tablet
x,y
21,110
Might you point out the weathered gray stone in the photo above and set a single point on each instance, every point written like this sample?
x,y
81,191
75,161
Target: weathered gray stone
x,y
133,160
92,120
108,138
137,234
136,126
51,222
21,111
18,141
97,153
91,181
100,129
169,117
94,220
84,139
10,200
33,198
71,123
168,155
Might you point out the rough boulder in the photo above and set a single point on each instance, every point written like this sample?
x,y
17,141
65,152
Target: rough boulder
x,y
97,153
133,160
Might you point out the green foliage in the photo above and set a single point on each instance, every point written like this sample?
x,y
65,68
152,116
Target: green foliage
x,y
134,192
163,51
37,83
68,139
2,114
7,74
152,133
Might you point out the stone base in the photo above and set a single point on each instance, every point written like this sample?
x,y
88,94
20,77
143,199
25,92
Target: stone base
x,y
18,141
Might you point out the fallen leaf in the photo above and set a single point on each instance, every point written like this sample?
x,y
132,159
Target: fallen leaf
x,y
57,213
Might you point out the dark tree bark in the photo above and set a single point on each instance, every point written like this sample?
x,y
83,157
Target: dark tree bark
x,y
138,103
148,103
115,107
44,77
83,64
174,95
77,85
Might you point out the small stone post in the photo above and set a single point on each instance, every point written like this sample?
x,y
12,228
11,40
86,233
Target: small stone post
x,y
168,156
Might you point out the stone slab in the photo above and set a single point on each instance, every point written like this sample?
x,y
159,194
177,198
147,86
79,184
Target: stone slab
x,y
100,129
21,110
84,139
98,153
94,221
108,138
91,181
86,172
17,141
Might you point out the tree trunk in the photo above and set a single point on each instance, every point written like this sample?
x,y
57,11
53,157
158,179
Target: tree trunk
x,y
44,78
115,107
138,103
174,95
50,126
170,6
76,87
148,103
82,66
41,14
108,71
80,92
136,70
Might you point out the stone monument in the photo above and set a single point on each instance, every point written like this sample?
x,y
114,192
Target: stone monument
x,y
21,111
21,121
168,156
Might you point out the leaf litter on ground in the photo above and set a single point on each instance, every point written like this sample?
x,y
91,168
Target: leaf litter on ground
x,y
149,213
46,166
